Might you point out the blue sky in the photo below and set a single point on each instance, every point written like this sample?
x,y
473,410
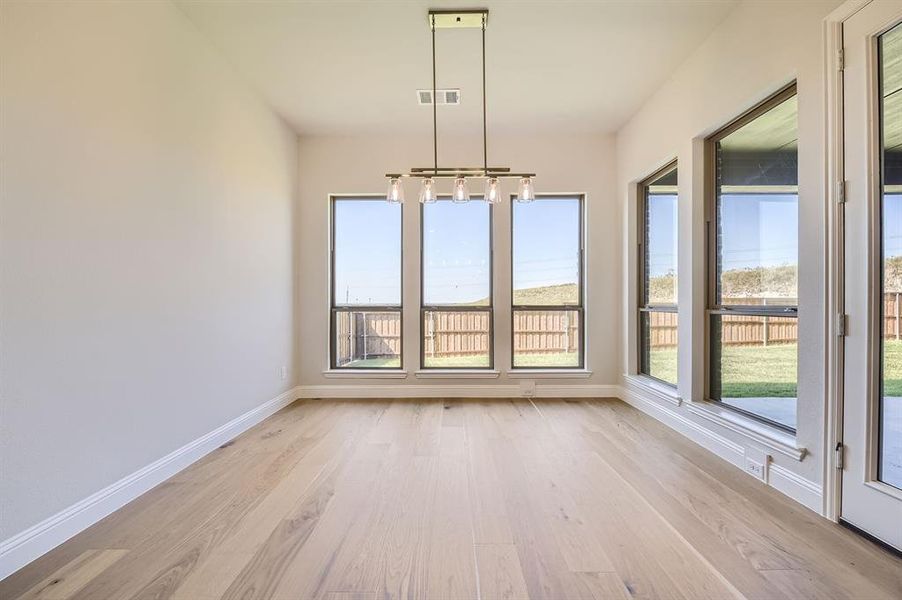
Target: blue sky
x,y
456,252
367,252
456,249
759,230
546,242
662,240
892,225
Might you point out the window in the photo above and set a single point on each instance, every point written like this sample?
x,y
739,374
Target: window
x,y
456,313
890,265
658,275
753,262
366,284
547,293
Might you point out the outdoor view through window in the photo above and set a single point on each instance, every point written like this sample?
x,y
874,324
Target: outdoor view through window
x,y
890,464
547,283
457,284
366,283
658,276
753,312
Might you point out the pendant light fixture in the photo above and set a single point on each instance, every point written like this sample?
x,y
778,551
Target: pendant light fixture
x,y
460,192
492,192
395,191
525,193
427,191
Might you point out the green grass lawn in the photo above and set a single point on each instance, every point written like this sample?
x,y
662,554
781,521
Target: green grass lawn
x,y
375,363
464,362
557,359
892,368
554,359
757,371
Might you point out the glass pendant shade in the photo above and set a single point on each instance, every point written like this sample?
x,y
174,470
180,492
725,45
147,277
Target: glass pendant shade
x,y
492,190
427,190
526,193
461,191
395,192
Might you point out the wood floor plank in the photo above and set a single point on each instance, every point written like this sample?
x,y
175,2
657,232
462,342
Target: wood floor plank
x,y
451,566
775,532
68,580
500,573
447,499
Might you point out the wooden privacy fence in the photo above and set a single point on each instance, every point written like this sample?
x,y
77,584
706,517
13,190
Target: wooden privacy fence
x,y
892,315
744,330
362,335
464,333
546,331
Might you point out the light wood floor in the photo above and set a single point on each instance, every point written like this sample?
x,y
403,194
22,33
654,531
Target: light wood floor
x,y
461,499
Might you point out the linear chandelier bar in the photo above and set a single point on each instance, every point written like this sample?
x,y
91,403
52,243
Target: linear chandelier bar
x,y
434,169
456,174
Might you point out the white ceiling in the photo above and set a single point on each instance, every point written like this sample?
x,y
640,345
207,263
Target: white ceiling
x,y
349,67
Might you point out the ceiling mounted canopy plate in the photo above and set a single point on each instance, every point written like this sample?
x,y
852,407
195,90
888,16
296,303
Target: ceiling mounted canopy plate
x,y
458,19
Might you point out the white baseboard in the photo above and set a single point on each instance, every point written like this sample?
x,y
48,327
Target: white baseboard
x,y
803,491
24,547
800,489
725,448
363,390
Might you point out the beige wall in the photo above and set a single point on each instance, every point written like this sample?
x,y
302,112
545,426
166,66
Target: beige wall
x,y
357,165
758,49
146,264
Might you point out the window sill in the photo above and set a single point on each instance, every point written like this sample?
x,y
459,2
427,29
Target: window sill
x,y
364,374
549,373
654,388
457,374
772,437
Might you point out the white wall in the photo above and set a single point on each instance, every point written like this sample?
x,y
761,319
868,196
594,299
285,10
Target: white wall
x,y
759,48
357,165
146,260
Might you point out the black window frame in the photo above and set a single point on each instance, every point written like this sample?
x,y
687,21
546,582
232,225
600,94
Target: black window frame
x,y
714,307
450,308
335,308
643,306
579,309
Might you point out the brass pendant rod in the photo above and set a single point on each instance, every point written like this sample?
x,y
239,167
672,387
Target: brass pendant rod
x,y
434,103
485,143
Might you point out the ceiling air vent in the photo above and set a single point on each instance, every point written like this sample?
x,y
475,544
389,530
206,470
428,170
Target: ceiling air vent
x,y
444,97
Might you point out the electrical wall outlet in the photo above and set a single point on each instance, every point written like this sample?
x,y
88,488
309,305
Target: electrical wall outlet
x,y
528,388
283,372
756,463
754,469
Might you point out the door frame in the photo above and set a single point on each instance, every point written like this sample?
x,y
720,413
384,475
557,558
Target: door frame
x,y
834,262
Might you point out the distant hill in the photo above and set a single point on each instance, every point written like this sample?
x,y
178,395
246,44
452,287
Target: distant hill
x,y
566,293
770,282
893,274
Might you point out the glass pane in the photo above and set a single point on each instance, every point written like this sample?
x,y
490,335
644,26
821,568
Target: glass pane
x,y
546,338
754,365
457,339
367,253
757,210
367,340
456,253
546,240
658,345
890,469
661,240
